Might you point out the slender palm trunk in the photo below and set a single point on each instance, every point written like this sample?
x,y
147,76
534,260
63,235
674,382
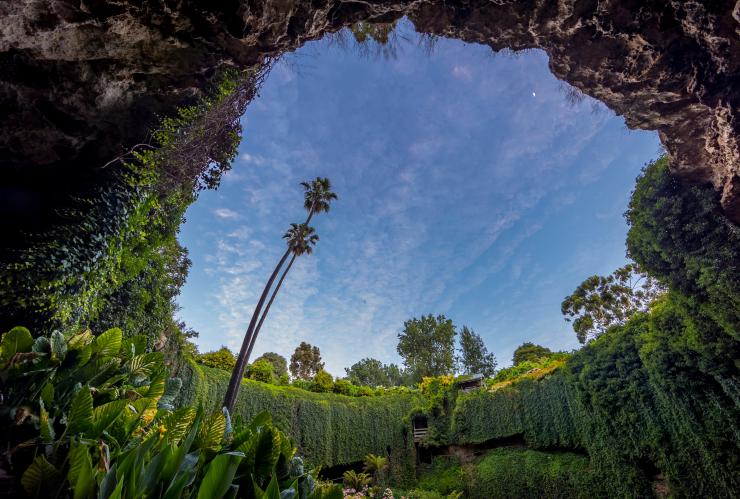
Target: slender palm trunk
x,y
267,307
241,362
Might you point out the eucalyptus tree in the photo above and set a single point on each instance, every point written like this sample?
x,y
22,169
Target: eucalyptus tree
x,y
317,198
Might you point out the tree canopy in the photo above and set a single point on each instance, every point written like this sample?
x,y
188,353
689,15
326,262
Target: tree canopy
x,y
601,302
305,362
372,372
474,357
427,346
278,362
530,352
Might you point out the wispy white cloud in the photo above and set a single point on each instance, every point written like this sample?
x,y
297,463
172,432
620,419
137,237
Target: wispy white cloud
x,y
225,213
444,192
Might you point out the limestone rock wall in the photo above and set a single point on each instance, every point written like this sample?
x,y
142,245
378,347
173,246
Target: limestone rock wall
x,y
83,81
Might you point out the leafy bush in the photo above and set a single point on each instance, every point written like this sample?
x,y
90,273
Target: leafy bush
x,y
260,370
343,387
354,480
222,358
445,477
322,382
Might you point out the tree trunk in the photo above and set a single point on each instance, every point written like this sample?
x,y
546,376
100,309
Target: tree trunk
x,y
241,362
267,307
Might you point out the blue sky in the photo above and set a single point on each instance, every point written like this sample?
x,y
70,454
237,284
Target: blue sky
x,y
468,186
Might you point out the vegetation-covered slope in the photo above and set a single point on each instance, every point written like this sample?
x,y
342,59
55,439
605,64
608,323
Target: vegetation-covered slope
x,y
328,429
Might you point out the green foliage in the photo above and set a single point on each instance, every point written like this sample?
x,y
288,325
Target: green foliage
x,y
536,366
344,387
306,361
445,477
530,352
355,481
322,382
372,372
599,303
519,473
427,346
261,370
111,256
328,429
376,466
679,234
278,362
474,357
222,358
99,425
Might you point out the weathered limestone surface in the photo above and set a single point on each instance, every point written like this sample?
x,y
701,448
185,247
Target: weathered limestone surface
x,y
82,81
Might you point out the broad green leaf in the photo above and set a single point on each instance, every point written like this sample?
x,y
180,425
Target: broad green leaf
x,y
212,432
135,345
81,340
178,423
271,492
261,419
156,386
40,478
266,453
104,415
47,394
219,476
80,416
81,472
16,340
47,430
108,343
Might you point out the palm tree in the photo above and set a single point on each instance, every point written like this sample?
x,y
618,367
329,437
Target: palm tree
x,y
317,198
300,239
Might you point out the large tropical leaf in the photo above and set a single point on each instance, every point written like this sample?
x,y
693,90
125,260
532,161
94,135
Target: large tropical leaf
x,y
47,430
104,415
80,415
81,340
40,479
16,340
266,453
219,475
108,343
211,433
271,492
81,473
178,423
47,394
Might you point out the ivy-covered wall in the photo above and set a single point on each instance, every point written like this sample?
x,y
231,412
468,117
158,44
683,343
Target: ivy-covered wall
x,y
328,429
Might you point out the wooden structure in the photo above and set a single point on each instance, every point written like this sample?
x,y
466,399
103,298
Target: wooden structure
x,y
421,428
472,383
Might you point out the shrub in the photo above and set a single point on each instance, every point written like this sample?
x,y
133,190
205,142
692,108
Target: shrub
x,y
354,480
322,382
445,477
260,370
343,387
220,359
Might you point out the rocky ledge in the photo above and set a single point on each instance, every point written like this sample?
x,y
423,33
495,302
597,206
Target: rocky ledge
x,y
82,81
